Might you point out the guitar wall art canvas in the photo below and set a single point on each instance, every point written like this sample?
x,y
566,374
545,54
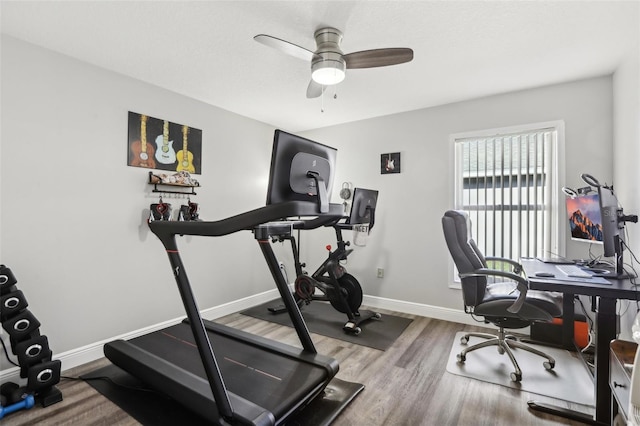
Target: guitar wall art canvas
x,y
390,163
155,143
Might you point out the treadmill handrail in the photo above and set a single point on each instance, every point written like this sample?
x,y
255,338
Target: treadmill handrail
x,y
166,231
248,221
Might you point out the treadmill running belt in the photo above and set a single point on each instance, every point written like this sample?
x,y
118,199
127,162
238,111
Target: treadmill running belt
x,y
265,378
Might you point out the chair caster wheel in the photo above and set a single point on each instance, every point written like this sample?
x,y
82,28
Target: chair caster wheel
x,y
377,315
464,340
548,365
461,358
516,377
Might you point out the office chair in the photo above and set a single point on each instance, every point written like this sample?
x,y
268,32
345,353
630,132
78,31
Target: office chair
x,y
498,294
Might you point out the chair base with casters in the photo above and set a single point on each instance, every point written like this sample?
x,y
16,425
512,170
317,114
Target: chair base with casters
x,y
505,343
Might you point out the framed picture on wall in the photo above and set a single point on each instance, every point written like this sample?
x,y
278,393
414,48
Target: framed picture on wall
x,y
154,143
390,163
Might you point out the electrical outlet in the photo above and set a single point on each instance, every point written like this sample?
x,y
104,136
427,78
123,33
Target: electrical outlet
x,y
380,272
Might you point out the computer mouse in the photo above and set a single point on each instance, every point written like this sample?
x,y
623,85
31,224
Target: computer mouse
x,y
545,274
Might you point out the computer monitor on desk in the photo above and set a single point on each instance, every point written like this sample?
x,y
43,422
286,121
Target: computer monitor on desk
x,y
613,221
595,217
585,220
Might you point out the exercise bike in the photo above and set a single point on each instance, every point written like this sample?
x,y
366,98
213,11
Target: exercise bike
x,y
341,289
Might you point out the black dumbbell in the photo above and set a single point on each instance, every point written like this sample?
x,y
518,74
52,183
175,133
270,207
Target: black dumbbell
x,y
32,351
43,375
7,279
7,388
13,393
21,325
12,303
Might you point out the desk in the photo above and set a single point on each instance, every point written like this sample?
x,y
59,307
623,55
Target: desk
x,y
605,330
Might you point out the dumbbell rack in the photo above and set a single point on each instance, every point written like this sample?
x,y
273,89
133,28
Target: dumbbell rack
x,y
31,348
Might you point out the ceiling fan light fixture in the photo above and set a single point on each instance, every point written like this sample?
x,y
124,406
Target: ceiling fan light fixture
x,y
328,62
328,73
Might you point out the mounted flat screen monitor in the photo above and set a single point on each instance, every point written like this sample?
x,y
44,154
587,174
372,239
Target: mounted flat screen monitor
x,y
363,207
585,218
301,170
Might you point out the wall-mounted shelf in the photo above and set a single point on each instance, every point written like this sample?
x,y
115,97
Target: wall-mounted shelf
x,y
166,187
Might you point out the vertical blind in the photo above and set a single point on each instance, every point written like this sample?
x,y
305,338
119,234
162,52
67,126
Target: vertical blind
x,y
505,184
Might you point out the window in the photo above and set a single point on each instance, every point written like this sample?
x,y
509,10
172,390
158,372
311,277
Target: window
x,y
507,180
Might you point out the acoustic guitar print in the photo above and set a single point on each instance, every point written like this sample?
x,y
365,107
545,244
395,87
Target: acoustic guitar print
x,y
165,153
185,157
141,150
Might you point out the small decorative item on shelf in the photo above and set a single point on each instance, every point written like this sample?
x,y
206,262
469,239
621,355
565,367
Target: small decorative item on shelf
x,y
179,179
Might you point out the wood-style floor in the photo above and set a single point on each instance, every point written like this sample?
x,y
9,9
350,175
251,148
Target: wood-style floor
x,y
405,385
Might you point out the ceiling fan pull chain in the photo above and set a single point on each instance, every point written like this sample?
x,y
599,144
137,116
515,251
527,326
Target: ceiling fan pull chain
x,y
322,101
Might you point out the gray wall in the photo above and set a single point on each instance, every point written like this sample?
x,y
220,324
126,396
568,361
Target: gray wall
x,y
407,240
72,214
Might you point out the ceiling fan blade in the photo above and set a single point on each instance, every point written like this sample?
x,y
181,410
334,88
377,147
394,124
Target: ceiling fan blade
x,y
314,89
378,57
285,47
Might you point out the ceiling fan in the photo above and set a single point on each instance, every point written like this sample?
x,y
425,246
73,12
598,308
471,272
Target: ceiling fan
x,y
328,63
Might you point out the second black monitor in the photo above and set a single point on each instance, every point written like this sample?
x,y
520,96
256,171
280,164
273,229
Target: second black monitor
x,y
363,207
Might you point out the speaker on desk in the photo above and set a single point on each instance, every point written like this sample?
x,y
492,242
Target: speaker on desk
x,y
12,303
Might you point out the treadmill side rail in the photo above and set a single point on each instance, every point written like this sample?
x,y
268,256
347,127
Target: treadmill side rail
x,y
326,362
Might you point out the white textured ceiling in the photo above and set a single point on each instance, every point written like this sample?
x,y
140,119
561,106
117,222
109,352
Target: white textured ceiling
x,y
463,49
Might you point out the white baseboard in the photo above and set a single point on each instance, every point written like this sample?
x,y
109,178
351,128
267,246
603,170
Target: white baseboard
x,y
93,351
429,311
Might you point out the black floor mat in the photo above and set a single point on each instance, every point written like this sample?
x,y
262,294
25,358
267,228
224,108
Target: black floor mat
x,y
152,408
322,319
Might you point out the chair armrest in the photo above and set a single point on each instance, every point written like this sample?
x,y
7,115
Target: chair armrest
x,y
522,284
517,267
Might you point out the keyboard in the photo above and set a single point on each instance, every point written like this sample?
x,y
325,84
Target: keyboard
x,y
574,271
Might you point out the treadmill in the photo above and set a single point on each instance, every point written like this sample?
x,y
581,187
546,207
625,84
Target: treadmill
x,y
226,375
